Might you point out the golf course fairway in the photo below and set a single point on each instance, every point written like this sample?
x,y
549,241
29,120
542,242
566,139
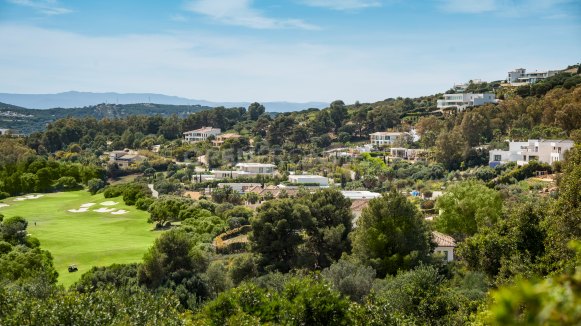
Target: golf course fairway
x,y
84,238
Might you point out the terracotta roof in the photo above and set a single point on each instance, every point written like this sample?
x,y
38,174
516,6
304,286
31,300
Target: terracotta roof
x,y
443,240
274,190
359,204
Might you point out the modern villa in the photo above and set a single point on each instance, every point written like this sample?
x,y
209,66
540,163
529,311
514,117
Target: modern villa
x,y
545,151
383,138
201,134
462,101
520,76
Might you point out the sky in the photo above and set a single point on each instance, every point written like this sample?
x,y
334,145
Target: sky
x,y
295,50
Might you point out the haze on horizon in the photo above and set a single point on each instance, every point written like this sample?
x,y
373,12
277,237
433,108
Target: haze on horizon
x,y
297,50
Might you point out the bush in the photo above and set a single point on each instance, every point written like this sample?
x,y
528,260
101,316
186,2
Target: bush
x,y
94,185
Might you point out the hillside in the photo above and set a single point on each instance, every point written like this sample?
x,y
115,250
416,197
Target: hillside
x,y
74,99
30,120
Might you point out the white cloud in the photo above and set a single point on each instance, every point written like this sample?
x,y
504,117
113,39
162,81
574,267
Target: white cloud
x,y
241,13
503,7
47,7
343,4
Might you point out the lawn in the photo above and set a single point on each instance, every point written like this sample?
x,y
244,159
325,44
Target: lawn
x,y
87,238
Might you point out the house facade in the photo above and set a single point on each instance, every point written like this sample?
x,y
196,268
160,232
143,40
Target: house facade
x,y
462,101
384,138
242,170
309,179
520,76
125,159
221,138
544,151
201,134
445,245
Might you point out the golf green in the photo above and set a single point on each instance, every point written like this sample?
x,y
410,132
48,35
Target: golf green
x,y
86,238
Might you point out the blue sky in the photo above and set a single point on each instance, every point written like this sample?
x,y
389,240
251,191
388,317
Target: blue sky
x,y
296,50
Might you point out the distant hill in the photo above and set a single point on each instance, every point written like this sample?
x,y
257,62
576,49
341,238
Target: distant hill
x,y
81,99
26,121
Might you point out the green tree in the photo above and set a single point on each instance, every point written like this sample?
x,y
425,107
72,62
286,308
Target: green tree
x,y
276,233
255,110
466,208
391,235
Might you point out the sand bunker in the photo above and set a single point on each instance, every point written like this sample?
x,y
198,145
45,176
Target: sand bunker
x,y
3,205
104,210
119,212
87,204
28,197
109,203
80,210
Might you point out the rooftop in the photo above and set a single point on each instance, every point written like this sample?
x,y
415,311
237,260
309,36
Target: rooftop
x,y
443,240
263,165
203,130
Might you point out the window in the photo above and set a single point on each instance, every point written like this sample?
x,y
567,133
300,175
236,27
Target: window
x,y
497,157
445,254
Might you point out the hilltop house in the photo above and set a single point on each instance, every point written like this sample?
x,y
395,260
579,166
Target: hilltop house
x,y
462,101
520,76
5,132
545,151
201,134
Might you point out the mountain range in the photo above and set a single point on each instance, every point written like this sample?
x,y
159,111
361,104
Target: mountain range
x,y
75,99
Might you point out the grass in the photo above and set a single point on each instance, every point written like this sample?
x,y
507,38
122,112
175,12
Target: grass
x,y
86,239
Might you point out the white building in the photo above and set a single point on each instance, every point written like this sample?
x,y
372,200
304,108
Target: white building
x,y
302,179
445,245
5,132
383,138
201,134
462,101
521,76
239,187
243,170
545,151
354,194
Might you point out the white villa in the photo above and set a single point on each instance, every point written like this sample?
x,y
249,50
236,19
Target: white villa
x,y
520,76
384,138
306,178
242,170
462,101
201,134
445,245
545,151
354,194
4,132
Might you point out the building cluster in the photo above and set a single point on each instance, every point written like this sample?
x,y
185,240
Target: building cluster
x,y
544,151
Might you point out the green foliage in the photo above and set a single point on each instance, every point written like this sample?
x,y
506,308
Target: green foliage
x,y
552,301
176,263
351,279
94,185
391,235
466,208
303,301
108,306
101,278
